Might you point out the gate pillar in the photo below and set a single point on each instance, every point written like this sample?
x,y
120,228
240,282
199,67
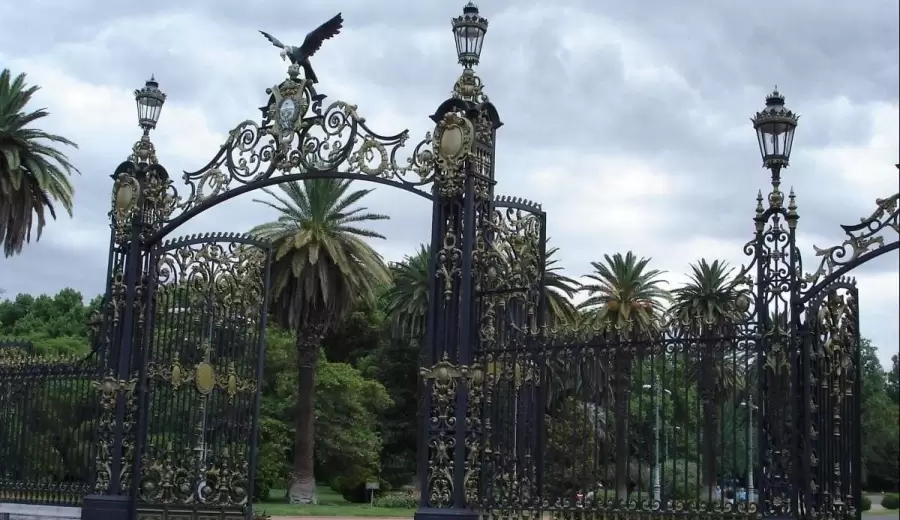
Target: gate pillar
x,y
137,202
450,447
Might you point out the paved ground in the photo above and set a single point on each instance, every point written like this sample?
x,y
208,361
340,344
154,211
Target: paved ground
x,y
370,518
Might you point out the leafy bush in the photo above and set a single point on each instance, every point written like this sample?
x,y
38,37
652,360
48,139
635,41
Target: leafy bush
x,y
865,503
573,444
891,501
271,466
680,480
395,499
348,443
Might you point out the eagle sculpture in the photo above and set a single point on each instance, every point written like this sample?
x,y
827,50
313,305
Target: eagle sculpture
x,y
311,44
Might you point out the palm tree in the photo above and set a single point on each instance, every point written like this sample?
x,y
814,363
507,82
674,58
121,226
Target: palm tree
x,y
322,268
558,291
406,302
707,308
626,301
33,174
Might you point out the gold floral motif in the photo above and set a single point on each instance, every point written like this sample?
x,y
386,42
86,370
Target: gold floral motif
x,y
124,204
449,262
452,145
510,267
469,87
205,377
446,380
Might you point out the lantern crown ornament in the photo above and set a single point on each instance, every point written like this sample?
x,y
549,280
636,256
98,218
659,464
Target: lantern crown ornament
x,y
149,100
468,31
775,126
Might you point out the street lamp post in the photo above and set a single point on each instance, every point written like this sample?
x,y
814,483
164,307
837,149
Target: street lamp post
x,y
450,447
777,263
133,208
657,486
666,455
751,408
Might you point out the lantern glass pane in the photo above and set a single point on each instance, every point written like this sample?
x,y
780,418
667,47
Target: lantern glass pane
x,y
760,137
789,142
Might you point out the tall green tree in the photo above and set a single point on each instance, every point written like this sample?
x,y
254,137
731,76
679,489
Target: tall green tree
x,y
626,300
708,307
406,304
893,380
880,424
322,268
406,301
34,174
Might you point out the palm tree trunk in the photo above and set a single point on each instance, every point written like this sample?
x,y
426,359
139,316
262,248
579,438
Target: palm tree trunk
x,y
623,385
710,422
710,442
303,480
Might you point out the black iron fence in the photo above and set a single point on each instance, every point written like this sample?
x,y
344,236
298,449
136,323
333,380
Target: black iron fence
x,y
48,411
621,425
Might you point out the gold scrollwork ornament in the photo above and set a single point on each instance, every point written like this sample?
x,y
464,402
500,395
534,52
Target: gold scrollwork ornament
x,y
452,143
125,194
289,104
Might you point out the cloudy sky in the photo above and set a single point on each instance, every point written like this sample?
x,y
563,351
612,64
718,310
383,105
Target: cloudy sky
x,y
628,121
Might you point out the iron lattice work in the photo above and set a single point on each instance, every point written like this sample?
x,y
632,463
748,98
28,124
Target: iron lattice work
x,y
831,364
775,259
511,335
200,374
49,407
594,421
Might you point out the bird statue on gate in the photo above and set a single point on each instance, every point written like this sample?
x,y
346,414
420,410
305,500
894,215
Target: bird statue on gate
x,y
311,44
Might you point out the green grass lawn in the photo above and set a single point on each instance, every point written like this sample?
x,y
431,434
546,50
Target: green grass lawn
x,y
330,504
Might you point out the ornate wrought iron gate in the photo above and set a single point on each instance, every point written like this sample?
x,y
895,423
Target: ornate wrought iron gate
x,y
831,372
511,339
201,364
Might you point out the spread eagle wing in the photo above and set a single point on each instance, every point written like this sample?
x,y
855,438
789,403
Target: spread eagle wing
x,y
327,30
275,41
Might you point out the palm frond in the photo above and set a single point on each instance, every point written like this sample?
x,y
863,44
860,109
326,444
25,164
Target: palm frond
x,y
34,176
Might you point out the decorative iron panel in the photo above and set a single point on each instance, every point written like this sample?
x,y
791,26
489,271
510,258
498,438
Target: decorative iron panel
x,y
202,362
511,332
49,407
832,457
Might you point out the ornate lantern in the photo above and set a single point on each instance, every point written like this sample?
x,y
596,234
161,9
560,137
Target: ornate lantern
x,y
468,31
149,104
775,127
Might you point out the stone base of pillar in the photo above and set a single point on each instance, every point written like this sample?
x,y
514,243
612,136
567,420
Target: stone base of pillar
x,y
106,507
446,513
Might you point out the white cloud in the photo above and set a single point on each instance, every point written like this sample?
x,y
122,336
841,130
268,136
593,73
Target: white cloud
x,y
868,168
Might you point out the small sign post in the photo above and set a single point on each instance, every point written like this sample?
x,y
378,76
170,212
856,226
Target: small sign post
x,y
372,486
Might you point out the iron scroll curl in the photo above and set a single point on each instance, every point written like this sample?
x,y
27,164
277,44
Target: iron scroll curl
x,y
868,239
